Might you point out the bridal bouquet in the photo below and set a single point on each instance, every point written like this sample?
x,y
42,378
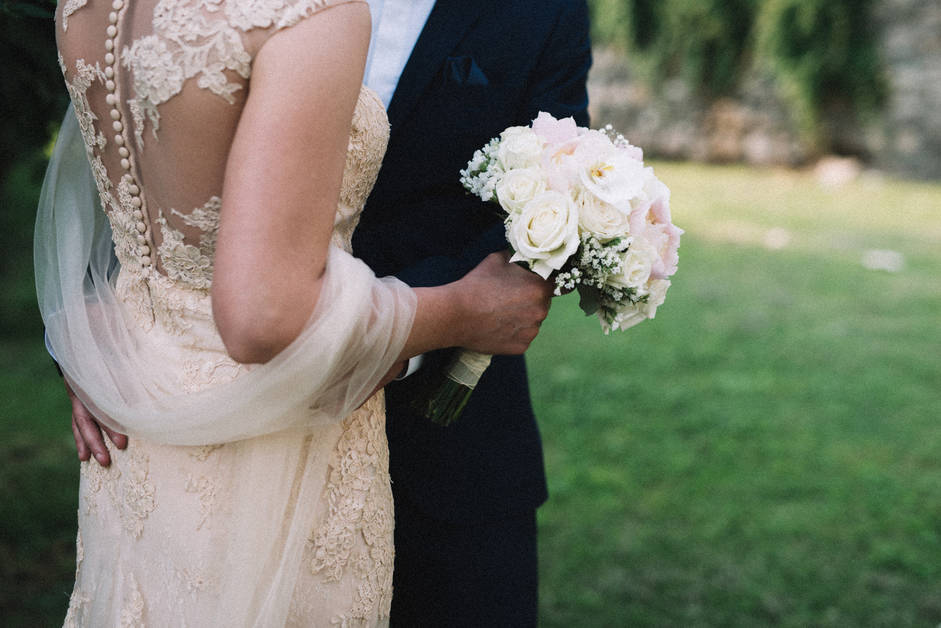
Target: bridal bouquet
x,y
581,209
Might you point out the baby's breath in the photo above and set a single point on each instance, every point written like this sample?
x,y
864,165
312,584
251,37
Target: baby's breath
x,y
599,259
616,138
483,172
567,281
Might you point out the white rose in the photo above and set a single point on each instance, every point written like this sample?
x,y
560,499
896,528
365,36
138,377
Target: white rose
x,y
630,315
544,233
518,187
656,296
601,219
610,173
519,147
652,189
635,267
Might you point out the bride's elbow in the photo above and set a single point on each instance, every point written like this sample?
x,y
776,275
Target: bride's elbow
x,y
255,331
250,338
247,350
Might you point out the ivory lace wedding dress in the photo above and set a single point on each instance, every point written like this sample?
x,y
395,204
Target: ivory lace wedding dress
x,y
257,516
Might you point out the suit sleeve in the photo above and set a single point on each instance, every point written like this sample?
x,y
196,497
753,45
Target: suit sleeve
x,y
441,269
557,85
559,79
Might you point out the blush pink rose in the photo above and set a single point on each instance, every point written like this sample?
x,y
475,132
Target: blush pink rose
x,y
652,222
560,138
554,131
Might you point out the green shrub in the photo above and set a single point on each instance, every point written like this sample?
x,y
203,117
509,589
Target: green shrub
x,y
821,53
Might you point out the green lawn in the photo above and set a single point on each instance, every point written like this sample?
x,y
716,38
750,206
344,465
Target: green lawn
x,y
766,452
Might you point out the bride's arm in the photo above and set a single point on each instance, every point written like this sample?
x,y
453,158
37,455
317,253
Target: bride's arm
x,y
283,179
279,200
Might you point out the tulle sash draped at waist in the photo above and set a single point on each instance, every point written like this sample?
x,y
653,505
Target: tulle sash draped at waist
x,y
173,383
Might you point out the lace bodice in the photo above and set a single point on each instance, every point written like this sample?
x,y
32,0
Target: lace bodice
x,y
158,94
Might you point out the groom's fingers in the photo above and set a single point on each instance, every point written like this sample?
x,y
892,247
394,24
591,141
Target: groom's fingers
x,y
85,430
90,434
119,440
84,453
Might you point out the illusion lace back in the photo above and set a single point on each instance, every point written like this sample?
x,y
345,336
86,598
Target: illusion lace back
x,y
195,535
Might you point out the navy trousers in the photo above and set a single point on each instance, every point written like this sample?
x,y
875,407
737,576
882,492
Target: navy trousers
x,y
476,575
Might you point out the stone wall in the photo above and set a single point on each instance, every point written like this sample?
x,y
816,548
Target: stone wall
x,y
908,138
754,126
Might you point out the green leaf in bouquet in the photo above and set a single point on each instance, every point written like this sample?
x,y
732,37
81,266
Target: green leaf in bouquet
x,y
589,299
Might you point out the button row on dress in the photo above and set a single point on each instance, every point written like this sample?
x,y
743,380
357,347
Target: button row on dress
x,y
118,125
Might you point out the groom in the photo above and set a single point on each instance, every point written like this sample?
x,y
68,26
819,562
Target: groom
x,y
465,495
453,74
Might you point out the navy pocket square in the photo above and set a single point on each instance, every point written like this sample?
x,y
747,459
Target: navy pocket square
x,y
464,71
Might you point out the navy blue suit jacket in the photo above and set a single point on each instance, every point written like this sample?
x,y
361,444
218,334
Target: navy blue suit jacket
x,y
478,67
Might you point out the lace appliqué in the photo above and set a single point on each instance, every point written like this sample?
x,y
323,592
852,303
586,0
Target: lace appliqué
x,y
205,488
125,219
201,374
97,477
139,494
357,531
202,38
127,483
202,453
369,135
188,264
183,262
132,613
137,115
85,75
78,602
70,7
195,581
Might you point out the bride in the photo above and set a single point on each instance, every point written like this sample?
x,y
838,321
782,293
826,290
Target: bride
x,y
199,294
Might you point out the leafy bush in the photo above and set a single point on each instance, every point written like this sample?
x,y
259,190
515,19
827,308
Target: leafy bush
x,y
821,52
31,82
823,55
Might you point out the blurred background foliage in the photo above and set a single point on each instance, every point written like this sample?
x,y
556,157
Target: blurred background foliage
x,y
31,82
822,53
34,100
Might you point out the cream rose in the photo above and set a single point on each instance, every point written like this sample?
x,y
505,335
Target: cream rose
x,y
519,147
518,187
630,315
544,233
602,219
656,296
610,174
636,264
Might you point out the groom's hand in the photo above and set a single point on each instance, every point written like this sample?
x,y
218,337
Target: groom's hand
x,y
508,304
87,433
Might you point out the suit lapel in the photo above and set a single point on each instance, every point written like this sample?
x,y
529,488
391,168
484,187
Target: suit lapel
x,y
448,22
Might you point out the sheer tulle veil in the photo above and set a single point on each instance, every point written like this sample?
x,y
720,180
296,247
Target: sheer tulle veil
x,y
351,340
